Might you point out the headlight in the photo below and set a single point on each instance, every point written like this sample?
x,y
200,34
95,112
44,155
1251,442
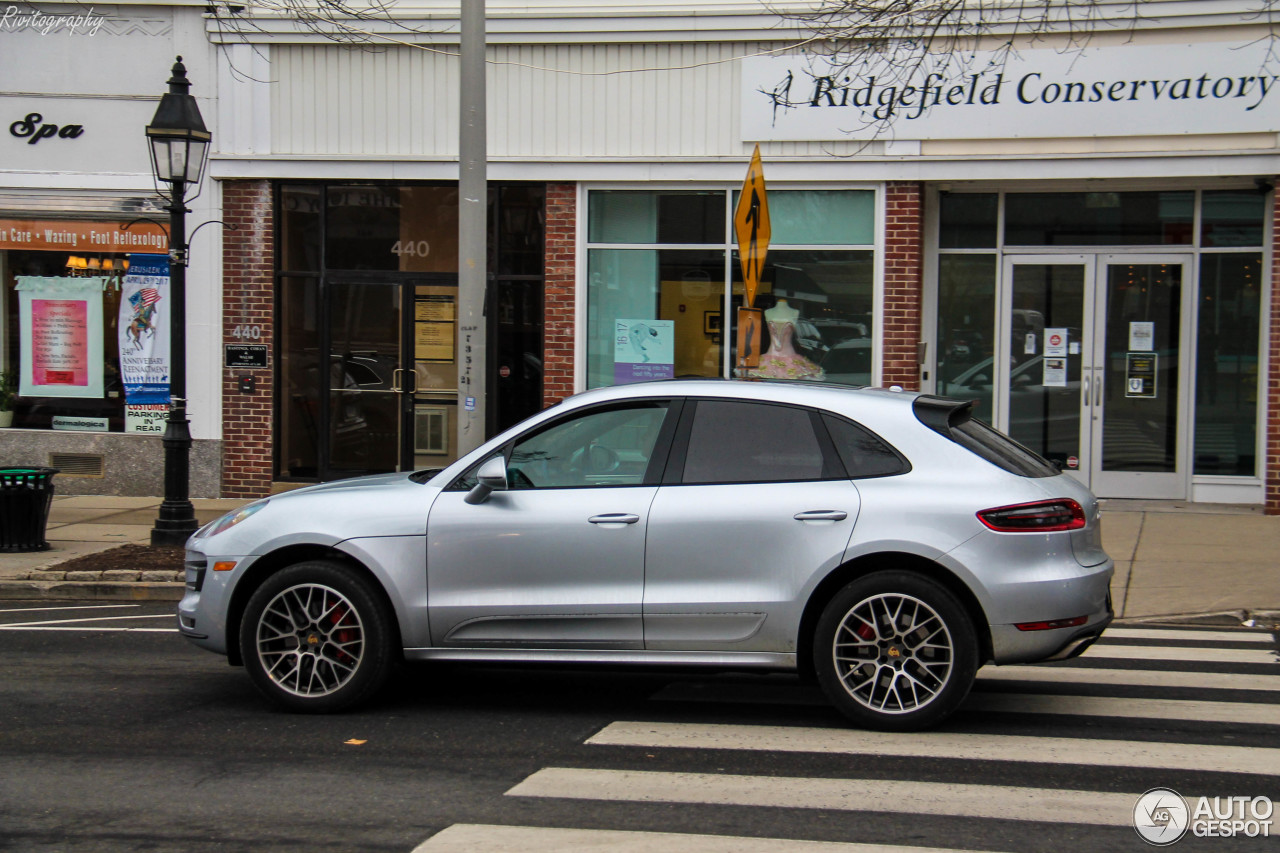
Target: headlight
x,y
231,519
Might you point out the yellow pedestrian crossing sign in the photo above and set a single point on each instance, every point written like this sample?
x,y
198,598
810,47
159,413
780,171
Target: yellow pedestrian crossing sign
x,y
751,224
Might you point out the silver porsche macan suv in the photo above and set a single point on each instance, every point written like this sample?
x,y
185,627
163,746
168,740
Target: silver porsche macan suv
x,y
884,541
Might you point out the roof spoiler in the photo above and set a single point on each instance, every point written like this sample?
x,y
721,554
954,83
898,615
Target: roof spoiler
x,y
942,414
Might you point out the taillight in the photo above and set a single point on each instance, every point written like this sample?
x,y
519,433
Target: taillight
x,y
1037,517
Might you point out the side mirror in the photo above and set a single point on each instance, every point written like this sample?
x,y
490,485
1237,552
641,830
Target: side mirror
x,y
492,477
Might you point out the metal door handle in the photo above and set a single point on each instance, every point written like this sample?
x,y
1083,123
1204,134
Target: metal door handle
x,y
1086,390
1097,391
396,376
821,515
614,518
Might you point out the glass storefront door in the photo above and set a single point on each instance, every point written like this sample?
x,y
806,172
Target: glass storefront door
x,y
369,389
1091,371
1141,373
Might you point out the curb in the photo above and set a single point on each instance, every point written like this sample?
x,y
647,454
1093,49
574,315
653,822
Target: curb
x,y
91,590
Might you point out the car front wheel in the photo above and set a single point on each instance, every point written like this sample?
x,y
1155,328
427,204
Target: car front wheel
x,y
895,651
316,637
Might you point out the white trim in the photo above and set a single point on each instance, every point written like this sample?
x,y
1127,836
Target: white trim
x,y
972,174
580,290
880,226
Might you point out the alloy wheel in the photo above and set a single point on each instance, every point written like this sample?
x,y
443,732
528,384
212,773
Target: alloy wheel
x,y
310,640
893,653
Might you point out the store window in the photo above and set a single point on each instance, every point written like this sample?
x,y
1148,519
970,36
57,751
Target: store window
x,y
81,336
1226,437
1227,250
664,286
1099,219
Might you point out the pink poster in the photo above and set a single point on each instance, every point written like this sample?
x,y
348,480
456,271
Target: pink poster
x,y
59,342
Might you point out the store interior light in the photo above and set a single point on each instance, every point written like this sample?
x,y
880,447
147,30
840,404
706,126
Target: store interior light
x,y
95,263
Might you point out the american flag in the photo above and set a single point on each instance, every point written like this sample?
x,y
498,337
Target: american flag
x,y
150,295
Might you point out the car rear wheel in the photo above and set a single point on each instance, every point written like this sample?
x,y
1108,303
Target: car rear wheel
x,y
895,651
316,637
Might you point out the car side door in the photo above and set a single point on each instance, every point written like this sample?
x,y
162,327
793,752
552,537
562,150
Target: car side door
x,y
555,560
755,502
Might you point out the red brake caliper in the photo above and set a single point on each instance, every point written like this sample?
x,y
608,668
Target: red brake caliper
x,y
344,635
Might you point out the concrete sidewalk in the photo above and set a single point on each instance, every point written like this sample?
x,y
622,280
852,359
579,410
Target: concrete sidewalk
x,y
1172,559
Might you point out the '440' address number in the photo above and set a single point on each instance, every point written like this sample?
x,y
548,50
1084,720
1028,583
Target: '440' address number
x,y
412,248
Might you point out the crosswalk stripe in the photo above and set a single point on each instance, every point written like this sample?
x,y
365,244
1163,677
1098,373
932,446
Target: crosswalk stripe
x,y
1041,750
870,795
1105,706
1114,633
1173,653
794,693
470,838
1129,677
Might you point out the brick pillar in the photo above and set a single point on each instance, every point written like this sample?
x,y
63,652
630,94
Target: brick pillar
x,y
560,292
903,282
1272,399
248,300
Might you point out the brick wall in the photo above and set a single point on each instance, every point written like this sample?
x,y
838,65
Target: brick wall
x,y
561,285
903,283
248,296
1272,398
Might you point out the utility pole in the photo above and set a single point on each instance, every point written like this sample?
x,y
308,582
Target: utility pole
x,y
473,208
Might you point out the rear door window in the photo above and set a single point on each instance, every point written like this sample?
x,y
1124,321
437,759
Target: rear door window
x,y
739,441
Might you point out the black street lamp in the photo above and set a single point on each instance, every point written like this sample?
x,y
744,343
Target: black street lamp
x,y
179,148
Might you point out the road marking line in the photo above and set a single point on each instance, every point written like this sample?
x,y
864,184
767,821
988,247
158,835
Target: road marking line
x,y
87,628
1264,761
468,838
1177,634
76,607
996,802
1175,653
1129,677
89,619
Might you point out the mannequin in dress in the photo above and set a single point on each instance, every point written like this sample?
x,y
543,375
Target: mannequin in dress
x,y
782,361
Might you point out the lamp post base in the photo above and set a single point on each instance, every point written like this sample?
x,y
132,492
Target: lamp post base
x,y
176,520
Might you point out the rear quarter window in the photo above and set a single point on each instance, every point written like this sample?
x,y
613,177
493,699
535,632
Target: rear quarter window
x,y
954,419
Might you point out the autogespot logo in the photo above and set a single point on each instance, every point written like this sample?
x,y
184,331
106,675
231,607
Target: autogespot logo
x,y
1161,816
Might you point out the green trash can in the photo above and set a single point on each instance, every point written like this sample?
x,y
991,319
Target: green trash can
x,y
25,497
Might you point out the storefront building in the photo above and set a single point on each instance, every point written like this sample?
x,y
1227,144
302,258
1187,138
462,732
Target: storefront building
x,y
81,326
1084,246
1082,242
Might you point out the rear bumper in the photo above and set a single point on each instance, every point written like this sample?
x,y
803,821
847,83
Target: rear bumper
x,y
1088,594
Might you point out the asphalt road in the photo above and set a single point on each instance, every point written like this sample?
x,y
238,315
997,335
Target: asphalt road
x,y
116,735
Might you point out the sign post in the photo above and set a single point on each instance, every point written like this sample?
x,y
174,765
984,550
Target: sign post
x,y
751,225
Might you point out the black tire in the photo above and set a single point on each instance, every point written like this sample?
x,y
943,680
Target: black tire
x,y
907,651
317,637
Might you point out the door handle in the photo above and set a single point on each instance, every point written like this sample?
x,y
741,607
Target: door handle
x,y
821,515
1086,390
614,518
1097,391
397,376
